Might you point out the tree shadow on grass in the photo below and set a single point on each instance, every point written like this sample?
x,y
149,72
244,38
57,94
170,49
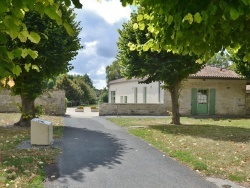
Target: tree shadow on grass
x,y
214,132
85,150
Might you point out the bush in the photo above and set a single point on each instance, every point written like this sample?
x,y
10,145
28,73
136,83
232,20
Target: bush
x,y
80,107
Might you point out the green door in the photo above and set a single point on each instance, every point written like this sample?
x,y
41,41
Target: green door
x,y
202,101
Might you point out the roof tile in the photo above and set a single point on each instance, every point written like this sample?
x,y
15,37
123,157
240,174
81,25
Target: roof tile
x,y
214,72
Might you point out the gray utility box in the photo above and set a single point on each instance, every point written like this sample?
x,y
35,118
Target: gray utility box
x,y
41,132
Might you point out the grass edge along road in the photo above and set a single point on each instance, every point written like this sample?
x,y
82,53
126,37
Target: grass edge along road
x,y
213,147
24,167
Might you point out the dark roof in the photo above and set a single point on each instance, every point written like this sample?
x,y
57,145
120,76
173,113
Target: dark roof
x,y
214,72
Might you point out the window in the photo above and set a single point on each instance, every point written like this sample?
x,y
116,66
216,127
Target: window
x,y
121,99
112,96
202,96
125,99
135,95
144,94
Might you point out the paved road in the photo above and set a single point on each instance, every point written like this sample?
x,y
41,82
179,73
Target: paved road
x,y
99,154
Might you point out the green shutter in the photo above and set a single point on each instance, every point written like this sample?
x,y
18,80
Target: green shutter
x,y
212,102
194,101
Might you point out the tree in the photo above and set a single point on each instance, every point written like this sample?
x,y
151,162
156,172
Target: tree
x,y
194,27
77,85
12,14
152,66
240,66
89,96
56,48
72,91
113,71
104,96
87,80
222,59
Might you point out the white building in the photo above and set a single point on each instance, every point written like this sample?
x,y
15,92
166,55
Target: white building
x,y
130,91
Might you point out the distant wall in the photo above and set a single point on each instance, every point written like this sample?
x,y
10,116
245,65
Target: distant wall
x,y
132,109
53,102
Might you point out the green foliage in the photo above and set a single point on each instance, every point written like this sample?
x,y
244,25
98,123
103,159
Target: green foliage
x,y
52,44
80,107
72,90
66,104
76,89
241,67
113,71
104,96
87,80
56,45
12,25
194,27
86,85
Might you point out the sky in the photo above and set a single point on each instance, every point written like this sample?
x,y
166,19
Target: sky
x,y
100,22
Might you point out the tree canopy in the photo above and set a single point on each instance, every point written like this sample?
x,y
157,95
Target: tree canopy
x,y
194,27
166,67
12,14
56,49
113,71
73,91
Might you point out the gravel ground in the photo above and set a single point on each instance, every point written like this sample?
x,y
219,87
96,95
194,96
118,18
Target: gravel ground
x,y
27,145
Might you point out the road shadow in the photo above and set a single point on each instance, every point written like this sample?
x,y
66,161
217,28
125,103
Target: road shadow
x,y
85,150
214,132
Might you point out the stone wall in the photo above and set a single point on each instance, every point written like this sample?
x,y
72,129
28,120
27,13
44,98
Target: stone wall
x,y
132,109
52,102
248,104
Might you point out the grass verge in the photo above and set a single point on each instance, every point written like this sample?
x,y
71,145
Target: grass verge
x,y
24,167
213,147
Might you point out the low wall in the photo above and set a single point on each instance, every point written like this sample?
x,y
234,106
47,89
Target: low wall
x,y
106,109
53,102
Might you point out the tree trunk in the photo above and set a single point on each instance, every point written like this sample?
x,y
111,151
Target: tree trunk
x,y
28,112
174,92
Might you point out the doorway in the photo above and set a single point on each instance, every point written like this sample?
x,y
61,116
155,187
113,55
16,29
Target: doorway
x,y
202,101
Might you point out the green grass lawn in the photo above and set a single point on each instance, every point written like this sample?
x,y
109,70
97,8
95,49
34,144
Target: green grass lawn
x,y
213,147
23,168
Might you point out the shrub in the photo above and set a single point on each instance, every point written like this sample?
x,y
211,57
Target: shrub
x,y
80,107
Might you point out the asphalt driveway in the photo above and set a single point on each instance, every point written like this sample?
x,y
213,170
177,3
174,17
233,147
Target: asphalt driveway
x,y
100,154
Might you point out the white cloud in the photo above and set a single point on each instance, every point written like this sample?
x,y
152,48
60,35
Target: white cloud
x,y
101,70
111,11
100,84
89,48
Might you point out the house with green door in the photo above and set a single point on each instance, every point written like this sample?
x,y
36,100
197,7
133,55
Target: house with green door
x,y
211,91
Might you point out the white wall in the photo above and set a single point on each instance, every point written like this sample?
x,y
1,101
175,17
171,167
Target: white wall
x,y
127,89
